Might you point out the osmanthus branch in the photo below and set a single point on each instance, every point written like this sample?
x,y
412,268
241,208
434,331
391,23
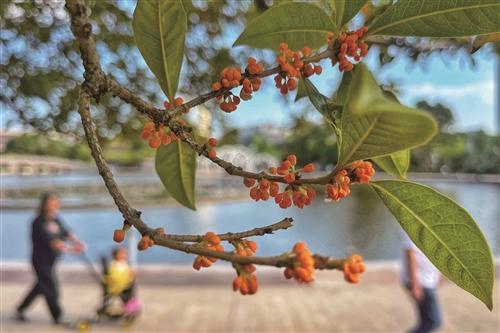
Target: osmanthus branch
x,y
97,83
178,242
328,53
229,236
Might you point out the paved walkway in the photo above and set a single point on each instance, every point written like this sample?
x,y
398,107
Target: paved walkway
x,y
378,304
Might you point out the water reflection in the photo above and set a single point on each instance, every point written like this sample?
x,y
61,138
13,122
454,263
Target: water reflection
x,y
359,224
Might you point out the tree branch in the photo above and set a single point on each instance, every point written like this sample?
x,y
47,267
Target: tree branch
x,y
132,216
94,85
229,236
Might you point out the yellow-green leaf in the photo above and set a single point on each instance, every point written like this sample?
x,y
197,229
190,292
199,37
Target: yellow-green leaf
x,y
324,105
297,24
344,10
445,232
159,30
396,164
438,18
175,164
301,90
373,125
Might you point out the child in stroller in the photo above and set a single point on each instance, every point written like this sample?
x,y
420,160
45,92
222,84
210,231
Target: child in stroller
x,y
119,300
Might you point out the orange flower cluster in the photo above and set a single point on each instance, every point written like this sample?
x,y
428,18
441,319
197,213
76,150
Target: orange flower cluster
x,y
292,67
303,264
353,267
145,243
230,78
299,195
264,189
158,135
357,172
212,143
245,247
251,84
212,242
351,44
246,281
340,187
363,170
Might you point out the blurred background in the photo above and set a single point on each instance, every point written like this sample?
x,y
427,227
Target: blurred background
x,y
42,148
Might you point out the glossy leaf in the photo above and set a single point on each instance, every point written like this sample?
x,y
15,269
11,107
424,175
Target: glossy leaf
x,y
396,164
344,10
445,233
323,104
159,30
443,18
175,164
297,24
373,125
301,90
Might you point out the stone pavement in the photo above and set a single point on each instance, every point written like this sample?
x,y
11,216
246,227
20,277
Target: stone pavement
x,y
177,304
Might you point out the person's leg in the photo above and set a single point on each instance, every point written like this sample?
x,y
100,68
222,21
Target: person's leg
x,y
30,297
128,293
49,288
429,312
433,312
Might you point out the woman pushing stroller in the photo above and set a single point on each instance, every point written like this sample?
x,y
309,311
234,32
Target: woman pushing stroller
x,y
50,237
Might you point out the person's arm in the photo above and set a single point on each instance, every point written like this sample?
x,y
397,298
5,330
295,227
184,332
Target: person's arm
x,y
76,245
412,269
58,245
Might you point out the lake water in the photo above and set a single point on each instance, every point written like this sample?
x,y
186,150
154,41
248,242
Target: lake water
x,y
360,223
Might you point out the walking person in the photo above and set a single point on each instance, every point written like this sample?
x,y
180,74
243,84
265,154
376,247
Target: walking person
x,y
421,278
49,238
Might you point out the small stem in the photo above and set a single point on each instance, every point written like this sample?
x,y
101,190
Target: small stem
x,y
229,236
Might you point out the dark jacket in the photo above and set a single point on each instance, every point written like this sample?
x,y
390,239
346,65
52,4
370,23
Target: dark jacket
x,y
42,234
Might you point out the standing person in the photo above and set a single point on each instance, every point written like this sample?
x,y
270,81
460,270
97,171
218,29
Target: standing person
x,y
50,238
421,279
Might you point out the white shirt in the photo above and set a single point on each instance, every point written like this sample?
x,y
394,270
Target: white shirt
x,y
427,273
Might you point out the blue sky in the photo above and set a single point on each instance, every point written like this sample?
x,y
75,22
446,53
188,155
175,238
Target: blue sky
x,y
468,91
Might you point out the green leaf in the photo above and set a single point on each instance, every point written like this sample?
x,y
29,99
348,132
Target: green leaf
x,y
445,232
373,125
396,164
345,10
159,30
444,18
301,90
321,103
297,24
175,164
343,89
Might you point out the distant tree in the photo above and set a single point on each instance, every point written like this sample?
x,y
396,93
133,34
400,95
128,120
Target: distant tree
x,y
38,144
40,68
442,114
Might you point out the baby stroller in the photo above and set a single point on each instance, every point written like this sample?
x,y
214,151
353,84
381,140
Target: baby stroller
x,y
119,304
